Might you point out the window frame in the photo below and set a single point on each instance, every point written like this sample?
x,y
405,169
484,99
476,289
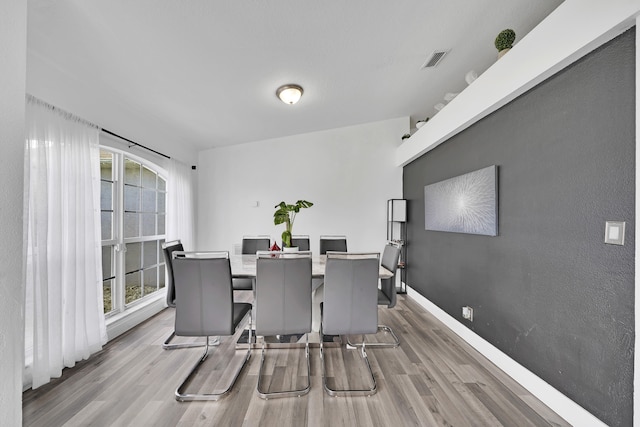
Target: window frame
x,y
118,242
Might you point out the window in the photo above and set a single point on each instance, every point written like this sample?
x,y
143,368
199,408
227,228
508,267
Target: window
x,y
133,196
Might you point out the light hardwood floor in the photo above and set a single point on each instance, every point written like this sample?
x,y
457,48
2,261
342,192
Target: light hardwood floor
x,y
432,379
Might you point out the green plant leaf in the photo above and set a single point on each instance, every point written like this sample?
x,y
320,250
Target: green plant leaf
x,y
285,213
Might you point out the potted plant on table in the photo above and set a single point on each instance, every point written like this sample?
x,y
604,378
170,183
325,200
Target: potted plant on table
x,y
286,214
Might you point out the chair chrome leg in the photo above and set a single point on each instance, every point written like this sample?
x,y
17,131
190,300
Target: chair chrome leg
x,y
347,392
166,345
284,393
386,329
182,396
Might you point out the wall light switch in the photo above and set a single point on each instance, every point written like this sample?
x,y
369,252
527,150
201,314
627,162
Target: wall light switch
x,y
467,313
614,232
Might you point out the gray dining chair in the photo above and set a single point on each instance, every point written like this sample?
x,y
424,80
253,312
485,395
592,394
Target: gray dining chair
x,y
350,306
301,242
167,250
333,243
205,307
387,294
282,307
250,246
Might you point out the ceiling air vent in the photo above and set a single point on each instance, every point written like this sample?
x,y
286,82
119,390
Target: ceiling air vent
x,y
435,57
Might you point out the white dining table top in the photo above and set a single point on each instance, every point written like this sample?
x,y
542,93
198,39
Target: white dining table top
x,y
245,266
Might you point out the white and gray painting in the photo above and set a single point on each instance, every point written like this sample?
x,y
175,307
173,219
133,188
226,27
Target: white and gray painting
x,y
464,204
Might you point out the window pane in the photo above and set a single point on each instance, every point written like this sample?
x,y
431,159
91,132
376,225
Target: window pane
x,y
107,295
131,198
106,225
148,178
133,257
107,262
131,224
161,278
150,253
161,202
143,192
131,172
148,200
161,224
150,280
106,165
106,195
148,224
133,287
161,259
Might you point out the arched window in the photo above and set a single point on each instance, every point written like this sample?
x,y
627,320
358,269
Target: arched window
x,y
133,202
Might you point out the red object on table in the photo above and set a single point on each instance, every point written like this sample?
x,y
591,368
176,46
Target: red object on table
x,y
275,247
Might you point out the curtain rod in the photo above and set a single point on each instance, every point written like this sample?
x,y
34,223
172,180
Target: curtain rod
x,y
135,143
32,98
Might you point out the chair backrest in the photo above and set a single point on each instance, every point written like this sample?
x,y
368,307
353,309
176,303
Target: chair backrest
x,y
350,293
301,242
167,249
333,243
283,293
390,258
253,244
204,294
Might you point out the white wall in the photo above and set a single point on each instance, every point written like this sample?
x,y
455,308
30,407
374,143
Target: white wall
x,y
348,173
13,48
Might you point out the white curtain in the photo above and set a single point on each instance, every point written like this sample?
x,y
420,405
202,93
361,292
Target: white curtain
x,y
64,319
180,211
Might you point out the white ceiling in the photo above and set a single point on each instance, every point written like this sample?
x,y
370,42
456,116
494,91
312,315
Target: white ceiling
x,y
203,73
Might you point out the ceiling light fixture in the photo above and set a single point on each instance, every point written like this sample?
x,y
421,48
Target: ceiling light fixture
x,y
289,94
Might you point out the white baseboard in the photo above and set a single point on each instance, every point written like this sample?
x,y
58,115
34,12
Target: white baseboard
x,y
118,325
558,402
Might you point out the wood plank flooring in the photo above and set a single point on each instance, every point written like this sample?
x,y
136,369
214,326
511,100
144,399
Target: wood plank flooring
x,y
432,379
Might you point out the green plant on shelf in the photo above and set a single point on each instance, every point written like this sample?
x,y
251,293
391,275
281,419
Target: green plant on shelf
x,y
505,39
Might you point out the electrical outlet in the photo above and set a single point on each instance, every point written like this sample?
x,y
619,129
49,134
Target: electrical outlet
x,y
467,313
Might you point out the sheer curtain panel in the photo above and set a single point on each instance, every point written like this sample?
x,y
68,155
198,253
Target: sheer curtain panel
x,y
64,319
180,213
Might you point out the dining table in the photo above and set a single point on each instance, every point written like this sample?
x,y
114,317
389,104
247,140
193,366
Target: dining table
x,y
244,266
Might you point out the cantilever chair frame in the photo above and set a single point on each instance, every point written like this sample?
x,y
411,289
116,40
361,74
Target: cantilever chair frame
x,y
180,393
276,256
171,302
363,352
392,266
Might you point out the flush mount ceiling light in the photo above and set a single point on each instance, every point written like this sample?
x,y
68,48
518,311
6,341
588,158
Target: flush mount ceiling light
x,y
289,94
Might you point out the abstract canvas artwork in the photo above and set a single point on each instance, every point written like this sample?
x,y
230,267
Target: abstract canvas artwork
x,y
464,204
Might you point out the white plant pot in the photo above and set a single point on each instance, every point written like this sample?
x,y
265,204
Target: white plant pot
x,y
291,249
502,52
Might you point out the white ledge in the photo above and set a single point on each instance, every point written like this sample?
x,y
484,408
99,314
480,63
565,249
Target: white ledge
x,y
571,31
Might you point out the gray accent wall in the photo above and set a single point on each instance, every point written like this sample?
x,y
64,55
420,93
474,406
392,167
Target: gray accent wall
x,y
547,291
